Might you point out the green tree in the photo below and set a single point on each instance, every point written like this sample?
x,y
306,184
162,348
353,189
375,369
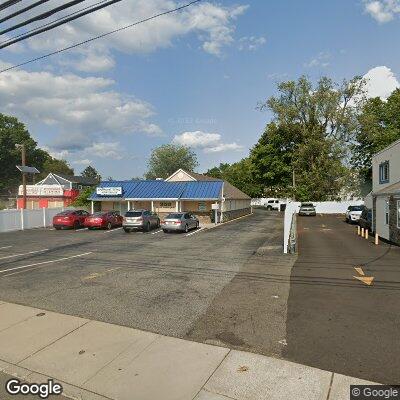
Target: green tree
x,y
218,172
303,152
91,173
56,166
168,158
82,199
379,126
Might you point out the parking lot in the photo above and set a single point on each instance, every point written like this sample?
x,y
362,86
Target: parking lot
x,y
208,285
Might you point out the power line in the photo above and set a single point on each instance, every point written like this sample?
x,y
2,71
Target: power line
x,y
51,22
100,36
42,16
53,25
8,3
22,10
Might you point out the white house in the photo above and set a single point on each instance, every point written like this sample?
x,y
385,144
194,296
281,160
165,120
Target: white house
x,y
386,192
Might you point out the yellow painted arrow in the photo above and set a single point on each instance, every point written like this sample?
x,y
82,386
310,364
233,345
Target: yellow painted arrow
x,y
365,279
359,270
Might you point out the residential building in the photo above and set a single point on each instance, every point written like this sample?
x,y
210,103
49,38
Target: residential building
x,y
54,191
386,192
182,191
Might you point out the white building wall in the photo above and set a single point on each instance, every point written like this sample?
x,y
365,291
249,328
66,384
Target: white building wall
x,y
391,154
382,228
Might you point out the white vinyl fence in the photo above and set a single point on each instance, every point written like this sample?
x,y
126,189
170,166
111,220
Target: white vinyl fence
x,y
323,207
15,220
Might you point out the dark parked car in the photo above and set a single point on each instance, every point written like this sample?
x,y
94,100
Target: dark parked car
x,y
103,220
140,219
307,209
73,219
365,220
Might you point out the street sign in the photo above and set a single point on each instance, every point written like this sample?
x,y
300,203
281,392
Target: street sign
x,y
28,170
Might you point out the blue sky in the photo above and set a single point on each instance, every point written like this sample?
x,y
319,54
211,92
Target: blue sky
x,y
193,78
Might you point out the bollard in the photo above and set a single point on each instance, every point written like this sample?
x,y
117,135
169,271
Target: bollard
x,y
358,230
362,232
366,233
376,239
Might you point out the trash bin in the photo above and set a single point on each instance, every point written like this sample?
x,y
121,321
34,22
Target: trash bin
x,y
283,207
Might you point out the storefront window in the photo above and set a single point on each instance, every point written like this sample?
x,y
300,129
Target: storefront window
x,y
202,206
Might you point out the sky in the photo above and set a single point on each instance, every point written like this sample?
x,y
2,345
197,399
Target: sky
x,y
194,77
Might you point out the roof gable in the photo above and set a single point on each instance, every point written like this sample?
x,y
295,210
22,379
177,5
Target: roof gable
x,y
180,176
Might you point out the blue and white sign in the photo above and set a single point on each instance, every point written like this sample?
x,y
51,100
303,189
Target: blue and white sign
x,y
109,191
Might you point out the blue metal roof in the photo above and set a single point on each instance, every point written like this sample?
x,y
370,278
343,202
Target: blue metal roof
x,y
162,190
202,190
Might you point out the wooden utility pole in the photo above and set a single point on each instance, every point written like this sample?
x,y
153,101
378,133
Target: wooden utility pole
x,y
23,161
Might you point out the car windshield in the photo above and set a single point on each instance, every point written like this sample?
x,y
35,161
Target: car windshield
x,y
174,216
98,214
65,213
307,205
133,214
356,208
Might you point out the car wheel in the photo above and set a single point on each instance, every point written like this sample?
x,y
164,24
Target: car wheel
x,y
165,230
148,227
57,228
158,223
186,229
197,225
269,208
127,230
76,225
109,226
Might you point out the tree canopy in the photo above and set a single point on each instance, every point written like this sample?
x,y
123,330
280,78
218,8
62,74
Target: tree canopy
x,y
92,173
168,158
13,132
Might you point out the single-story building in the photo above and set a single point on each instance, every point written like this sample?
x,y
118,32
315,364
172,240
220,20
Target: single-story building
x,y
386,192
182,191
54,191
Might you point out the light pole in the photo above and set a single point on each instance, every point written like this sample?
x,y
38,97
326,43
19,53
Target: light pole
x,y
23,162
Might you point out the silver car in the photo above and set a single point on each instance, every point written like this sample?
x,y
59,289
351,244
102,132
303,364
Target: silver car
x,y
307,209
140,219
180,221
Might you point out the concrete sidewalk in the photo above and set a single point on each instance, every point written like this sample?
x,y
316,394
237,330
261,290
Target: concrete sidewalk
x,y
96,361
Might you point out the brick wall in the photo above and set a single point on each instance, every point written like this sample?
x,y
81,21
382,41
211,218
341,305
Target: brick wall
x,y
394,230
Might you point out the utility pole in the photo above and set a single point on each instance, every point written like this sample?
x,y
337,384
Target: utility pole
x,y
294,185
23,161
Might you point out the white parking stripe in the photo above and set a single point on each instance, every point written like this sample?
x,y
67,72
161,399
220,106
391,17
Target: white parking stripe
x,y
113,230
81,230
196,231
23,254
5,247
155,233
43,263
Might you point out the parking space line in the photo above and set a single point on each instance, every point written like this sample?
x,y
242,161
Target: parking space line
x,y
155,233
196,231
42,263
23,254
113,230
82,230
5,247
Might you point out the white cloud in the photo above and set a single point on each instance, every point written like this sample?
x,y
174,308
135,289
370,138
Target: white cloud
x,y
382,10
110,150
208,142
80,111
82,162
381,82
251,43
321,60
213,25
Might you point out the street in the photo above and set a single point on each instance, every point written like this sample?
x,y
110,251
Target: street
x,y
335,321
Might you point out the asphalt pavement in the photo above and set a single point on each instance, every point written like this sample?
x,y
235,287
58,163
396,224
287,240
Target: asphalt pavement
x,y
334,321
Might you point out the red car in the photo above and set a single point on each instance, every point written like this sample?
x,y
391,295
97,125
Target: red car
x,y
73,219
104,220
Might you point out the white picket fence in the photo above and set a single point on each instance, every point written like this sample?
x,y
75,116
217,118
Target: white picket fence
x,y
15,220
323,207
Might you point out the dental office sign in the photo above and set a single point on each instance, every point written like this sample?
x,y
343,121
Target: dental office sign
x,y
109,191
42,190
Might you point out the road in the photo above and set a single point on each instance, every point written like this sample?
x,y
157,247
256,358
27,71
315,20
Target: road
x,y
335,322
209,286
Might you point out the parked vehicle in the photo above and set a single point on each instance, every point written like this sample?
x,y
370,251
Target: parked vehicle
x,y
179,222
307,209
353,213
365,220
103,220
73,219
140,219
274,204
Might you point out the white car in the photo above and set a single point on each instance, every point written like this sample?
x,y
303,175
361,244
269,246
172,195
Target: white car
x,y
274,204
353,214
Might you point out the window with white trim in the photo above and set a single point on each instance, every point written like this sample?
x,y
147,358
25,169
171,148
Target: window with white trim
x,y
384,172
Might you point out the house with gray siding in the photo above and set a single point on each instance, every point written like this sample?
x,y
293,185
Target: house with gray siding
x,y
386,192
